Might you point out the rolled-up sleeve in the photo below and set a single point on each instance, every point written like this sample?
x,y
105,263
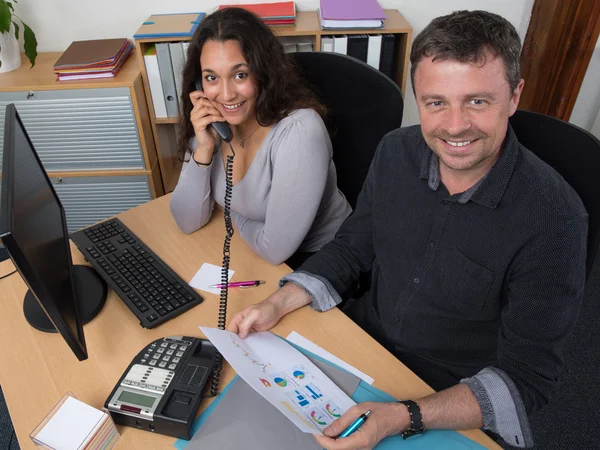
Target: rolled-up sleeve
x,y
544,295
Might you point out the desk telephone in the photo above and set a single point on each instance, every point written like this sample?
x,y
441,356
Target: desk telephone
x,y
161,389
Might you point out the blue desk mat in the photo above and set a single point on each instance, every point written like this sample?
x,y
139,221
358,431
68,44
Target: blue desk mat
x,y
430,440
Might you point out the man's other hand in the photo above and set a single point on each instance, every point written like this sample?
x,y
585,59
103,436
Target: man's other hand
x,y
265,315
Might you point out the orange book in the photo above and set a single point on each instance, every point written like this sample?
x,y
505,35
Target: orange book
x,y
279,10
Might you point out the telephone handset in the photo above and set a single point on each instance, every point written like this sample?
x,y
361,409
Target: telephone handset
x,y
222,128
226,135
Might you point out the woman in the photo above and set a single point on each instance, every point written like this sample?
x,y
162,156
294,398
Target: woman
x,y
285,197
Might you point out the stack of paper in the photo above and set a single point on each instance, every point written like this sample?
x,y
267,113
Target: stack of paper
x,y
343,14
100,58
74,425
280,13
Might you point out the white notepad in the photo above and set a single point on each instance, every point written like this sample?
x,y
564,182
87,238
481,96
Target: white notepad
x,y
70,425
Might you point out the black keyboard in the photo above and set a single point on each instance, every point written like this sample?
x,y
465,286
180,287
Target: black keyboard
x,y
149,288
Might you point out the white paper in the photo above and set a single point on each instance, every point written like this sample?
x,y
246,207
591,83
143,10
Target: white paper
x,y
301,341
70,425
283,376
207,275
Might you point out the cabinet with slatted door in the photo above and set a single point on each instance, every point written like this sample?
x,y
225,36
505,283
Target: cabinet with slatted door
x,y
93,137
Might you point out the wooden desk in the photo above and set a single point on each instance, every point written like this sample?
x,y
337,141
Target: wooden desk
x,y
37,368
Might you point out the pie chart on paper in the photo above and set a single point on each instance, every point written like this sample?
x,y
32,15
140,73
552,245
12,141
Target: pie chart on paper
x,y
280,381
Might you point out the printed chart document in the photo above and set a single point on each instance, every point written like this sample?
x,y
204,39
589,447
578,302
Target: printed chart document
x,y
283,376
301,341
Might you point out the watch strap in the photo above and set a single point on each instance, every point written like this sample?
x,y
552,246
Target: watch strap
x,y
416,419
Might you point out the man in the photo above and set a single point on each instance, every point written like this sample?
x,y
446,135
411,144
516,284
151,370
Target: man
x,y
476,249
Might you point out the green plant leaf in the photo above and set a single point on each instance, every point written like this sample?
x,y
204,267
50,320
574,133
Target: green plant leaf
x,y
5,17
16,30
30,44
10,6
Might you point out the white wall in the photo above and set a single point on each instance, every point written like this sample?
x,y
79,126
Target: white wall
x,y
57,23
586,112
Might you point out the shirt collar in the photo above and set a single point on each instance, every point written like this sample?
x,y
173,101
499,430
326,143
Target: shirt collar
x,y
488,191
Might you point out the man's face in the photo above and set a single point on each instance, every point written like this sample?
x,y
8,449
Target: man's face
x,y
464,111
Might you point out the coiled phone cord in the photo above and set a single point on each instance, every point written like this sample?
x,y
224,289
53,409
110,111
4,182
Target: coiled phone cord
x,y
214,384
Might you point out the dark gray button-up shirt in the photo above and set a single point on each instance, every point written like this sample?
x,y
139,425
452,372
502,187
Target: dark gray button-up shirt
x,y
491,278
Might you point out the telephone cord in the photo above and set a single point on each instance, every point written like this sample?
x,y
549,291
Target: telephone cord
x,y
222,321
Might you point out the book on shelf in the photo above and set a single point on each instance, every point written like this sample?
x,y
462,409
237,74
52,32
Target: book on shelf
x,y
357,46
98,58
154,83
167,78
340,44
386,62
374,50
278,13
169,25
327,44
344,14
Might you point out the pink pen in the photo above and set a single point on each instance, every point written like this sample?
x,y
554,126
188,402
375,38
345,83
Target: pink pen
x,y
242,284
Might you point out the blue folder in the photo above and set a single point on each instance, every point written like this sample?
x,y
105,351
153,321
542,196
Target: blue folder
x,y
430,440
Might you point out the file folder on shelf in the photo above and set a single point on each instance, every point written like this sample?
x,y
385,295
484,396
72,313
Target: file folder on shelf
x,y
169,25
167,78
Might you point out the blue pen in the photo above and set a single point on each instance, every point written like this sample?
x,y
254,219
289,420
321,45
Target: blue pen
x,y
355,425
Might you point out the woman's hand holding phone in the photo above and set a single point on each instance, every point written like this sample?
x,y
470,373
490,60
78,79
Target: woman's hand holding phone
x,y
202,115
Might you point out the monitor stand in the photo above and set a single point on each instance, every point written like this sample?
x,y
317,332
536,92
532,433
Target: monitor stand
x,y
90,295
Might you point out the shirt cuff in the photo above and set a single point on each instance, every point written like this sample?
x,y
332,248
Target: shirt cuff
x,y
501,405
324,296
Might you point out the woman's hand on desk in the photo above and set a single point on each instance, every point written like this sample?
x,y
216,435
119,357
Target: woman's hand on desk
x,y
386,419
265,315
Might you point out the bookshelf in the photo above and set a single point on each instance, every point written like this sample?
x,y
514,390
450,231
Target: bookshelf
x,y
307,25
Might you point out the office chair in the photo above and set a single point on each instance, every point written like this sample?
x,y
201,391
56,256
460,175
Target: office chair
x,y
572,152
363,105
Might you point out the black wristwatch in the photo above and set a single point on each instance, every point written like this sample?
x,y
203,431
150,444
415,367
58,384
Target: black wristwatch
x,y
416,419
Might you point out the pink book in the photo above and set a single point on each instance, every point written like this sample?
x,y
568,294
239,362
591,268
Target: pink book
x,y
351,10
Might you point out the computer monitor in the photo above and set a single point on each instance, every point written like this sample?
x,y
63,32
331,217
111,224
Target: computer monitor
x,y
61,297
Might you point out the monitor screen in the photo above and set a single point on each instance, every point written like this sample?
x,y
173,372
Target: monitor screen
x,y
33,228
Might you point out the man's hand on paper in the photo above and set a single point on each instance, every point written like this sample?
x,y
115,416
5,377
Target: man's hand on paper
x,y
265,315
386,419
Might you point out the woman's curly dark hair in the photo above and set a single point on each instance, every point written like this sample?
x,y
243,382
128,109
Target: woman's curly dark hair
x,y
280,88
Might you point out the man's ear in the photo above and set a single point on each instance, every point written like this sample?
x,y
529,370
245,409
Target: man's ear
x,y
515,97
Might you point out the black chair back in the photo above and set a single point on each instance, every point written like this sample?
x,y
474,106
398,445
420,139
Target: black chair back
x,y
572,152
363,105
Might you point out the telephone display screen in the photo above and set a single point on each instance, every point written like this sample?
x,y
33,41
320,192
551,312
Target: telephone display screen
x,y
137,399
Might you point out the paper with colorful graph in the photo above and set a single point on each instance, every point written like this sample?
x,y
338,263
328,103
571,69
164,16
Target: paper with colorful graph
x,y
284,377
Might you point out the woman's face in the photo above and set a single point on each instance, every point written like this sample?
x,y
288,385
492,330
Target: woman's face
x,y
227,81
